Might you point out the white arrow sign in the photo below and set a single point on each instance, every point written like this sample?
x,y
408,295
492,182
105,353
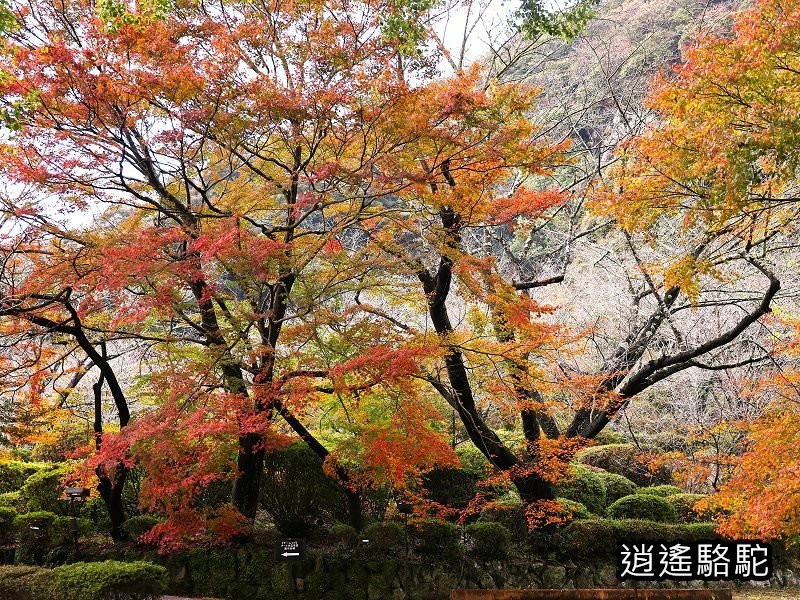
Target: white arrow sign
x,y
290,554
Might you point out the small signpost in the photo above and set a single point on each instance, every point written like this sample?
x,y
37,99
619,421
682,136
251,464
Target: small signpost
x,y
290,550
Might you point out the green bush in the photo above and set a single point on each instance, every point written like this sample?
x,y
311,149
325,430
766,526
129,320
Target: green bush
x,y
18,582
10,500
43,491
95,510
509,512
438,538
43,530
617,486
608,436
450,487
108,580
386,535
642,506
7,516
14,473
297,494
684,506
33,533
623,459
34,527
578,510
136,527
660,490
342,533
61,531
490,541
597,539
586,487
473,460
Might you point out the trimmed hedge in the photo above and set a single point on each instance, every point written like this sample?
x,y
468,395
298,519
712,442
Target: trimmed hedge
x,y
451,487
43,491
578,510
438,538
508,512
473,461
345,534
10,500
37,532
297,493
617,486
597,539
586,487
18,582
14,473
108,580
34,527
7,516
623,459
490,541
684,506
660,490
136,527
642,506
385,536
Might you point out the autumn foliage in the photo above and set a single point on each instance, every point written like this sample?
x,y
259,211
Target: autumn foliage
x,y
251,223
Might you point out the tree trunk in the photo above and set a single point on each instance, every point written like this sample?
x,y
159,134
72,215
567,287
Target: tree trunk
x,y
110,487
246,486
532,488
354,509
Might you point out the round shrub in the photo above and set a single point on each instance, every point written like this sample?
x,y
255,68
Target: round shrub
x,y
135,527
10,500
297,494
386,535
438,538
587,539
575,509
342,533
684,506
608,436
7,516
617,486
597,539
450,487
509,512
33,533
660,490
18,582
623,459
473,460
34,527
586,487
106,580
490,541
95,510
642,506
43,491
61,531
14,473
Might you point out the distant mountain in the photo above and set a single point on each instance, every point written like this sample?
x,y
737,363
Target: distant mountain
x,y
592,88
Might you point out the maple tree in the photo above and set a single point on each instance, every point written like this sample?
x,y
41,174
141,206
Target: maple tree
x,y
236,166
288,215
723,157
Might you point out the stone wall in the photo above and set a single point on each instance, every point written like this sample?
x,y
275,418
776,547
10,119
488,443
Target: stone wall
x,y
251,573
